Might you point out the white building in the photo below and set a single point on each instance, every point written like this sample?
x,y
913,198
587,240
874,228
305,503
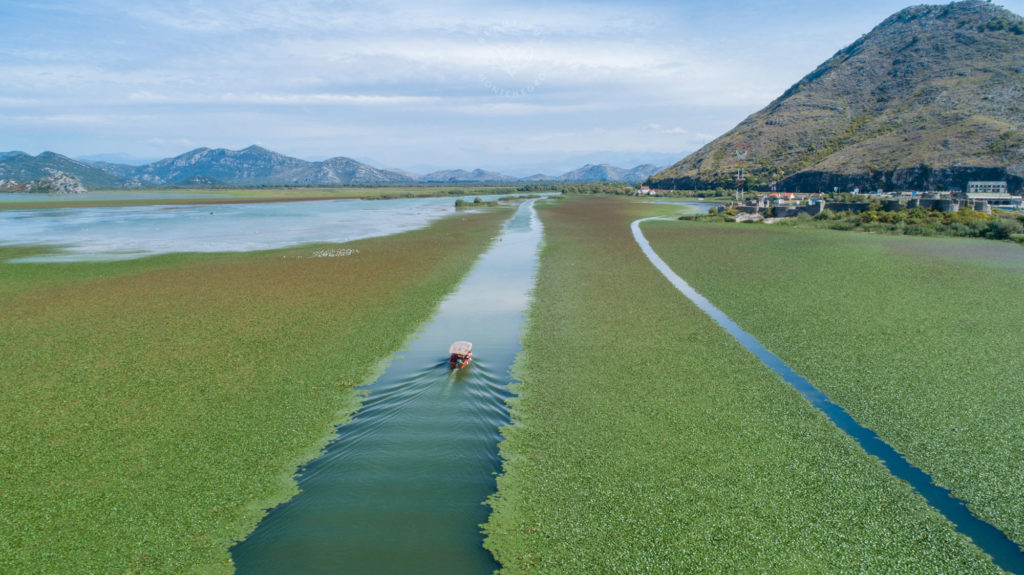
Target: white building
x,y
986,187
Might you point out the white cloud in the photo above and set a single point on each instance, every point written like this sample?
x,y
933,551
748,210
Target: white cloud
x,y
61,120
395,78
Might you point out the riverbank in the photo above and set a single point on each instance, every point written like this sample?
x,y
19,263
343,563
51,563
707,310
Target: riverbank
x,y
646,440
915,337
155,407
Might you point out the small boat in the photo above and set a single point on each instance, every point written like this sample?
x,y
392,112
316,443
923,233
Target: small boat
x,y
460,354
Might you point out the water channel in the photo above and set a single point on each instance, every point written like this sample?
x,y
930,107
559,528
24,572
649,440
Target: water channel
x,y
401,488
1004,552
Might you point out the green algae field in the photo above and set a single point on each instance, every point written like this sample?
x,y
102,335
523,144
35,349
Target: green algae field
x,y
646,440
919,338
153,408
156,407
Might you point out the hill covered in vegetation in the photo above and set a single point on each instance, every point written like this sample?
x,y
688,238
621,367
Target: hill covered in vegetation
x,y
929,99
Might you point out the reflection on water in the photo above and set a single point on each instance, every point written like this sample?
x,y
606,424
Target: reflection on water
x,y
401,489
8,197
92,234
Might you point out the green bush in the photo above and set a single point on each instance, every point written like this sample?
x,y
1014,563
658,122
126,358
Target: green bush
x,y
1003,228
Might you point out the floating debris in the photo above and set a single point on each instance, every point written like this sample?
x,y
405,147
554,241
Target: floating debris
x,y
335,253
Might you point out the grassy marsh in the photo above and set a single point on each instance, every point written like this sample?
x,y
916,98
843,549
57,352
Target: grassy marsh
x,y
918,338
154,407
646,440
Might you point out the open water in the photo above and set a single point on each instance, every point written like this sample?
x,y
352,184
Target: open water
x,y
401,489
104,234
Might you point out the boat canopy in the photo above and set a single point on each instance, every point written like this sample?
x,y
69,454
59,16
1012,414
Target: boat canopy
x,y
461,348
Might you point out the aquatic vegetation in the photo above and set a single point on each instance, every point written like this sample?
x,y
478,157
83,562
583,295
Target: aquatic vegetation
x,y
152,408
646,440
915,337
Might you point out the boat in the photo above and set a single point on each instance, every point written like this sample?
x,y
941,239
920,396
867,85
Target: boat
x,y
460,354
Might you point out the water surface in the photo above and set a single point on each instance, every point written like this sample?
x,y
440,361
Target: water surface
x,y
402,488
110,233
15,197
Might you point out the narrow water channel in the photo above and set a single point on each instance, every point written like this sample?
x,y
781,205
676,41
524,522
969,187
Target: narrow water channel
x,y
1004,552
401,490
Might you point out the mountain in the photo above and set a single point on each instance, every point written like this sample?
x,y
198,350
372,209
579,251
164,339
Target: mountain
x,y
198,181
588,173
257,166
539,178
931,98
23,167
252,166
345,171
606,173
464,176
57,183
126,159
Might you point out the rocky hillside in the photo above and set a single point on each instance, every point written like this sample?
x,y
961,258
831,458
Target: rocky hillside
x,y
466,176
606,173
254,166
55,183
22,167
929,99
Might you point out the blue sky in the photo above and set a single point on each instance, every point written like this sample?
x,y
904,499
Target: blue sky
x,y
520,86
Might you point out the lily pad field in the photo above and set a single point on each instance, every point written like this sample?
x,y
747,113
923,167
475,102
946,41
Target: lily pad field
x,y
153,408
646,440
920,339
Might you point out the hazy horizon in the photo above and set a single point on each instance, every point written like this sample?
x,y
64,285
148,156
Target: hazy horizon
x,y
503,86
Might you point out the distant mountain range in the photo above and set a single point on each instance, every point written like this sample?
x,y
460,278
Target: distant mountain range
x,y
931,98
257,166
22,167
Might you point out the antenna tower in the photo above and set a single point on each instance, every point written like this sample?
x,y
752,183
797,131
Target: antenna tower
x,y
741,156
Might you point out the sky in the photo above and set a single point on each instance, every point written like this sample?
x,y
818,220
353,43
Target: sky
x,y
520,86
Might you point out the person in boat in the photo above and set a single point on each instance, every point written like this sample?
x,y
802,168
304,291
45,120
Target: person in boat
x,y
459,354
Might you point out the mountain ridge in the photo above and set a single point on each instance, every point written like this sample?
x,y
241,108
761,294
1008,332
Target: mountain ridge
x,y
23,167
928,99
258,166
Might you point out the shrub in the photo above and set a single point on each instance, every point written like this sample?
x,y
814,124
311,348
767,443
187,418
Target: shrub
x,y
959,229
1003,228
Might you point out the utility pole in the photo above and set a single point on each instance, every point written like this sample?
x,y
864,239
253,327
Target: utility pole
x,y
741,155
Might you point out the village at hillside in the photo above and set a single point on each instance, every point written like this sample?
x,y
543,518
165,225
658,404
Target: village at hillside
x,y
979,196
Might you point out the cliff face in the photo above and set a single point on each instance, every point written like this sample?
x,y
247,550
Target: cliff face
x,y
931,98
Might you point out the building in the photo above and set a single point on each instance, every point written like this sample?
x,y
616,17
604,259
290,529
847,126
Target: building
x,y
983,196
986,188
